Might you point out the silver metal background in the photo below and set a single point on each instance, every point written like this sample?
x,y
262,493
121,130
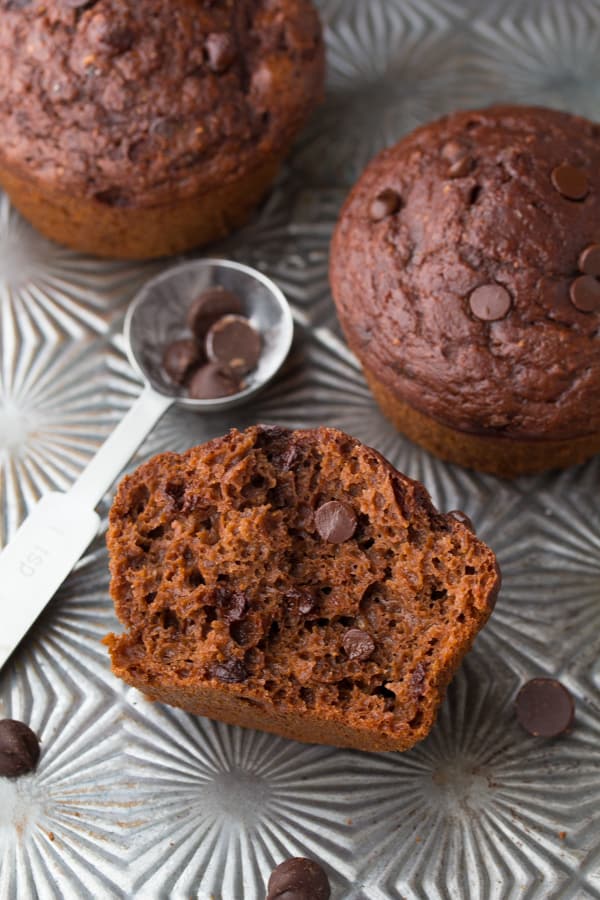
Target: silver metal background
x,y
137,800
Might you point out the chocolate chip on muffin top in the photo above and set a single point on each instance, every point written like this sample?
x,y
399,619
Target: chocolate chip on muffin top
x,y
476,301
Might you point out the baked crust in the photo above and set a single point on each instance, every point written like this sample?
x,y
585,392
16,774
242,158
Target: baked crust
x,y
478,206
118,114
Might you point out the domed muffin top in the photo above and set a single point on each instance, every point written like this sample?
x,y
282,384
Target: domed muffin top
x,y
153,98
466,271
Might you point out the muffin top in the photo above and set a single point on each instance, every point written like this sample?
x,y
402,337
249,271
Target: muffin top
x,y
153,98
466,271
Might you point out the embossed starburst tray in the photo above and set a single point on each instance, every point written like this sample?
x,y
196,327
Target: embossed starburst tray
x,y
136,800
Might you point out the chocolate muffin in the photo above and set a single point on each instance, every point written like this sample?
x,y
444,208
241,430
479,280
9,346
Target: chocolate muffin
x,y
294,582
465,268
137,129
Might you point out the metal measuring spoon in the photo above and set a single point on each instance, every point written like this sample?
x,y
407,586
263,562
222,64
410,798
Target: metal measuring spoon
x,y
52,538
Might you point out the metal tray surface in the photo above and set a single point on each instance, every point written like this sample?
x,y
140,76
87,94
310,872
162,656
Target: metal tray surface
x,y
136,800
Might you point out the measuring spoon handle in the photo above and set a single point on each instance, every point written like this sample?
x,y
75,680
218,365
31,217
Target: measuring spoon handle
x,y
114,454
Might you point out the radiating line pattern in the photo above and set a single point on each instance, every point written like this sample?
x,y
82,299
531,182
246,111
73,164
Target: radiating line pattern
x,y
132,799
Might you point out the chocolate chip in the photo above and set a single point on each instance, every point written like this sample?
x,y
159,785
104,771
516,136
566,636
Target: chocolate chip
x,y
119,39
220,50
462,517
233,605
335,521
385,204
300,600
490,302
233,342
180,358
589,260
289,458
572,183
461,167
417,679
585,294
210,382
544,707
19,748
208,307
298,879
358,644
453,150
232,671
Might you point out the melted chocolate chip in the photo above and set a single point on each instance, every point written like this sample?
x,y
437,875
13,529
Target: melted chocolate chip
x,y
462,517
490,302
233,342
298,879
589,260
210,306
453,150
233,605
210,382
358,644
385,204
571,182
232,671
220,51
585,294
180,358
417,679
461,167
335,521
545,708
300,600
19,748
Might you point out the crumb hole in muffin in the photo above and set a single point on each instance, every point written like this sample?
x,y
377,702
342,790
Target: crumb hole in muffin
x,y
112,196
169,619
389,698
415,722
140,497
195,578
150,597
474,194
308,696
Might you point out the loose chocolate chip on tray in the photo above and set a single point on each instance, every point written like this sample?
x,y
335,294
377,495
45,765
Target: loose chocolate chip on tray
x,y
208,307
298,879
220,51
490,302
210,382
589,260
19,748
180,358
544,707
232,671
358,644
385,204
233,342
585,293
335,521
571,182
